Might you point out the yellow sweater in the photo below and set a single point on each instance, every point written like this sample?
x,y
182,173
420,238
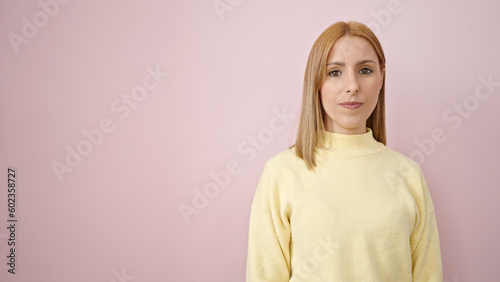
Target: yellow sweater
x,y
363,214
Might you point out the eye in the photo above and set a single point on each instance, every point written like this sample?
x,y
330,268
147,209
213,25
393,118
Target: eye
x,y
334,73
365,71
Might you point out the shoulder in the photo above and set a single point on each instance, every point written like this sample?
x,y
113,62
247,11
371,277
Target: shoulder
x,y
284,159
277,172
285,162
411,175
401,163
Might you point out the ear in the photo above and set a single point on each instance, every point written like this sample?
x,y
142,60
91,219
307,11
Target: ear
x,y
382,72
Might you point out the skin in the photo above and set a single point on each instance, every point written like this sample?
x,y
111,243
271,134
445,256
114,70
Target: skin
x,y
353,73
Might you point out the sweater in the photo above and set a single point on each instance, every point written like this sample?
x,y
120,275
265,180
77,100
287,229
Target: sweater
x,y
363,214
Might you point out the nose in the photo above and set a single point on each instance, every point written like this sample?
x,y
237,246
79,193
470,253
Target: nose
x,y
352,86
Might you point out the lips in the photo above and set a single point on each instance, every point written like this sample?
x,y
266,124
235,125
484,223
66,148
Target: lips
x,y
351,105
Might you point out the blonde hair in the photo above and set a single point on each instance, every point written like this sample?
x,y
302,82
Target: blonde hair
x,y
311,126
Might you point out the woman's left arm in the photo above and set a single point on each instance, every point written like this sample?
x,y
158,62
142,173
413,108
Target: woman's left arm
x,y
424,241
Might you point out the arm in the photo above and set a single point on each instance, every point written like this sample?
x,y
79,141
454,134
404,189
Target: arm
x,y
269,235
424,241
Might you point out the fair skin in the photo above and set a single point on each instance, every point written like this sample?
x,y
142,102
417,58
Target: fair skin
x,y
352,84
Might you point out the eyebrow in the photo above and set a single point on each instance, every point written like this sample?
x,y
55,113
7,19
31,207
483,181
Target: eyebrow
x,y
359,63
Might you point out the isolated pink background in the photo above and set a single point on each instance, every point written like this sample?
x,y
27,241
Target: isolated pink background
x,y
117,214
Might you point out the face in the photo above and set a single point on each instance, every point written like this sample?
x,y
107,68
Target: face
x,y
353,81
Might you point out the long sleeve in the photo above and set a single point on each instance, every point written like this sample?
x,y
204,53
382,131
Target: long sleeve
x,y
363,214
426,252
269,235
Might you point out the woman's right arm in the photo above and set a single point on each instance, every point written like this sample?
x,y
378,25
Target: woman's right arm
x,y
269,234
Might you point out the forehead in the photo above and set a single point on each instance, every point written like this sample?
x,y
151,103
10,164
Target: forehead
x,y
352,47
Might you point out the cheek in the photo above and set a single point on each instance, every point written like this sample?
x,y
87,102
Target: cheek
x,y
329,93
373,93
372,90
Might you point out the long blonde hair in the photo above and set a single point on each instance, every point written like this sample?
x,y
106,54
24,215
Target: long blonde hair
x,y
311,126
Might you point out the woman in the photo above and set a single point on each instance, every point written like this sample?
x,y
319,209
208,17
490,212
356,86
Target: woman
x,y
339,205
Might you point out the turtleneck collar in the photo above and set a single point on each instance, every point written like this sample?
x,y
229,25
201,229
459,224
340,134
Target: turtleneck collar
x,y
351,145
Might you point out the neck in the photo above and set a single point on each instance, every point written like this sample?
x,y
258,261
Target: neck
x,y
350,144
333,127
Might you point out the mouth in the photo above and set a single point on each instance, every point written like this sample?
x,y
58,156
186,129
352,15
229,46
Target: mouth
x,y
351,105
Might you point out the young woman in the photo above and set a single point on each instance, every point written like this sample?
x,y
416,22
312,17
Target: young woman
x,y
339,205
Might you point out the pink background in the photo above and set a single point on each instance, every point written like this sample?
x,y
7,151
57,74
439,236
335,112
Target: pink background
x,y
116,215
